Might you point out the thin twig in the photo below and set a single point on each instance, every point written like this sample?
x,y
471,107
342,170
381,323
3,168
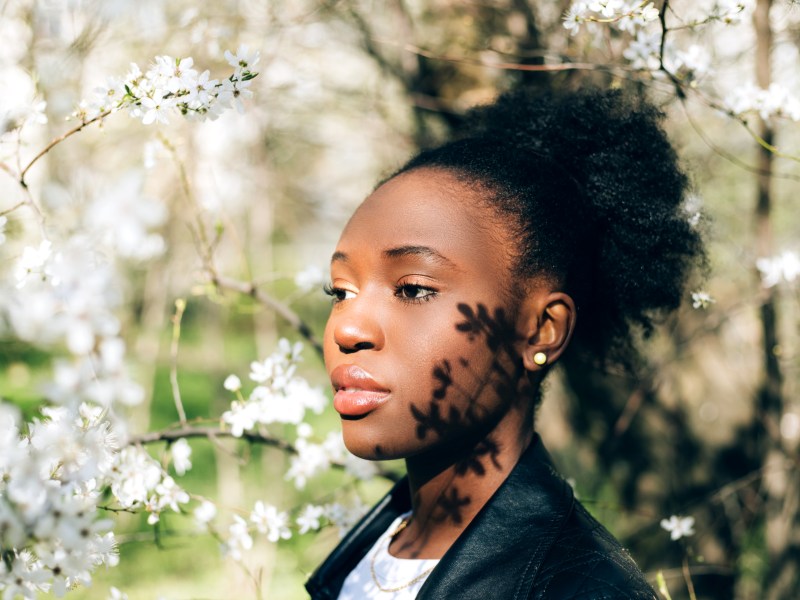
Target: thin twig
x,y
286,313
29,201
687,577
199,229
171,435
695,570
57,141
732,158
507,66
180,307
12,209
9,170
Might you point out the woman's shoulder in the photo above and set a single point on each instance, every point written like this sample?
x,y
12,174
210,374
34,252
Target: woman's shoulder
x,y
586,562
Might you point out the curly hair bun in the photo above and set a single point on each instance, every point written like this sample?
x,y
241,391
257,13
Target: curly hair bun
x,y
595,192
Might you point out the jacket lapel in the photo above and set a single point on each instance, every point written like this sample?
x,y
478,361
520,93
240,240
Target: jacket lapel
x,y
497,556
500,552
327,580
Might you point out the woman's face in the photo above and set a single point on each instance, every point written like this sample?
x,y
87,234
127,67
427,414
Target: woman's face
x,y
420,344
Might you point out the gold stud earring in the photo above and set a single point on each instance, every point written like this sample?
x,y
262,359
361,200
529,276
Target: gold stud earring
x,y
540,358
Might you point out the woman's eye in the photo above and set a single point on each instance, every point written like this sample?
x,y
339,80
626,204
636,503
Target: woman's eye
x,y
411,292
338,294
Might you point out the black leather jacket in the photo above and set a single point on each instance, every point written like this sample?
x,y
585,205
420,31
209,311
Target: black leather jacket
x,y
532,540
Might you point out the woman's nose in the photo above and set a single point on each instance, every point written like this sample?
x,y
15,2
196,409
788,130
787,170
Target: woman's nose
x,y
356,331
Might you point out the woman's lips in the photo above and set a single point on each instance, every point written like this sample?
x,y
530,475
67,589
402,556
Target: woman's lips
x,y
356,392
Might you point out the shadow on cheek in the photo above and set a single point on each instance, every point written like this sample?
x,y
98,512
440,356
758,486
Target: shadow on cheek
x,y
467,401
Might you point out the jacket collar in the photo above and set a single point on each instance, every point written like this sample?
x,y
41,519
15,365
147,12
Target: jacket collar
x,y
497,556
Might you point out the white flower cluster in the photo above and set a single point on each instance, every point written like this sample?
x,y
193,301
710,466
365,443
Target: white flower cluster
x,y
784,267
275,525
313,459
644,53
775,101
122,219
50,533
344,516
52,478
14,118
730,12
67,297
282,397
279,397
624,15
137,480
267,520
173,85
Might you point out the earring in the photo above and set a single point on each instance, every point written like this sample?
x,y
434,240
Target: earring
x,y
540,358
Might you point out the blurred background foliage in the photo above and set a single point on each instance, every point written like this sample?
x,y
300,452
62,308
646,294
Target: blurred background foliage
x,y
348,89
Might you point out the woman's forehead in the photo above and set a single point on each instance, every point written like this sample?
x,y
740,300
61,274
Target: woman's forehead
x,y
425,208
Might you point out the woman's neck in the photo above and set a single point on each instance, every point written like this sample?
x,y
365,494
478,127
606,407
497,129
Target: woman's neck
x,y
451,484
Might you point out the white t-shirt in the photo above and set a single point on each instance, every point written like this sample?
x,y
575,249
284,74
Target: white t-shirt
x,y
391,572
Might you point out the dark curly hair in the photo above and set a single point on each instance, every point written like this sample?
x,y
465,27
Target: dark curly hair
x,y
595,195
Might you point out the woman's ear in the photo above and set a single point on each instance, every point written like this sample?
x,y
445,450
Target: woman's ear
x,y
547,320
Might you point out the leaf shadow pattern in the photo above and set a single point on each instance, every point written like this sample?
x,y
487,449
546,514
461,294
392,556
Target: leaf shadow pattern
x,y
455,413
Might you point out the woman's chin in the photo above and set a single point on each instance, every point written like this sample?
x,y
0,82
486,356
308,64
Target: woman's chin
x,y
368,447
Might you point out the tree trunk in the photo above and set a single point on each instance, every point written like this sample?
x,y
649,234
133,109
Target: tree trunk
x,y
782,491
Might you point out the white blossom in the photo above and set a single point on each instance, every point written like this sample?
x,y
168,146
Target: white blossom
x,y
359,467
170,494
243,59
784,267
33,264
345,516
309,518
115,594
644,51
678,527
624,15
270,521
241,417
205,512
702,299
689,64
155,109
172,85
135,476
775,101
239,538
232,383
181,453
311,460
731,12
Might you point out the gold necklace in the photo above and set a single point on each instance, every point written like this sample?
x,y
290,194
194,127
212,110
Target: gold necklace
x,y
420,577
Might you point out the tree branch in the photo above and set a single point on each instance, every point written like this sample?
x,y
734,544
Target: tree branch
x,y
286,313
57,141
172,435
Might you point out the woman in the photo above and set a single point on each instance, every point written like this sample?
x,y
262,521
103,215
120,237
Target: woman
x,y
554,225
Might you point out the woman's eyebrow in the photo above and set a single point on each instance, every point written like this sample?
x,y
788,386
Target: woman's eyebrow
x,y
426,251
403,251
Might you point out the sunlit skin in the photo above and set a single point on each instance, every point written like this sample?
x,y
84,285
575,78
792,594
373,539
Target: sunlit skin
x,y
421,246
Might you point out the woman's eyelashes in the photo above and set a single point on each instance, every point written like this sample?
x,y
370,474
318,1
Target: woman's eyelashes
x,y
411,293
414,293
337,294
